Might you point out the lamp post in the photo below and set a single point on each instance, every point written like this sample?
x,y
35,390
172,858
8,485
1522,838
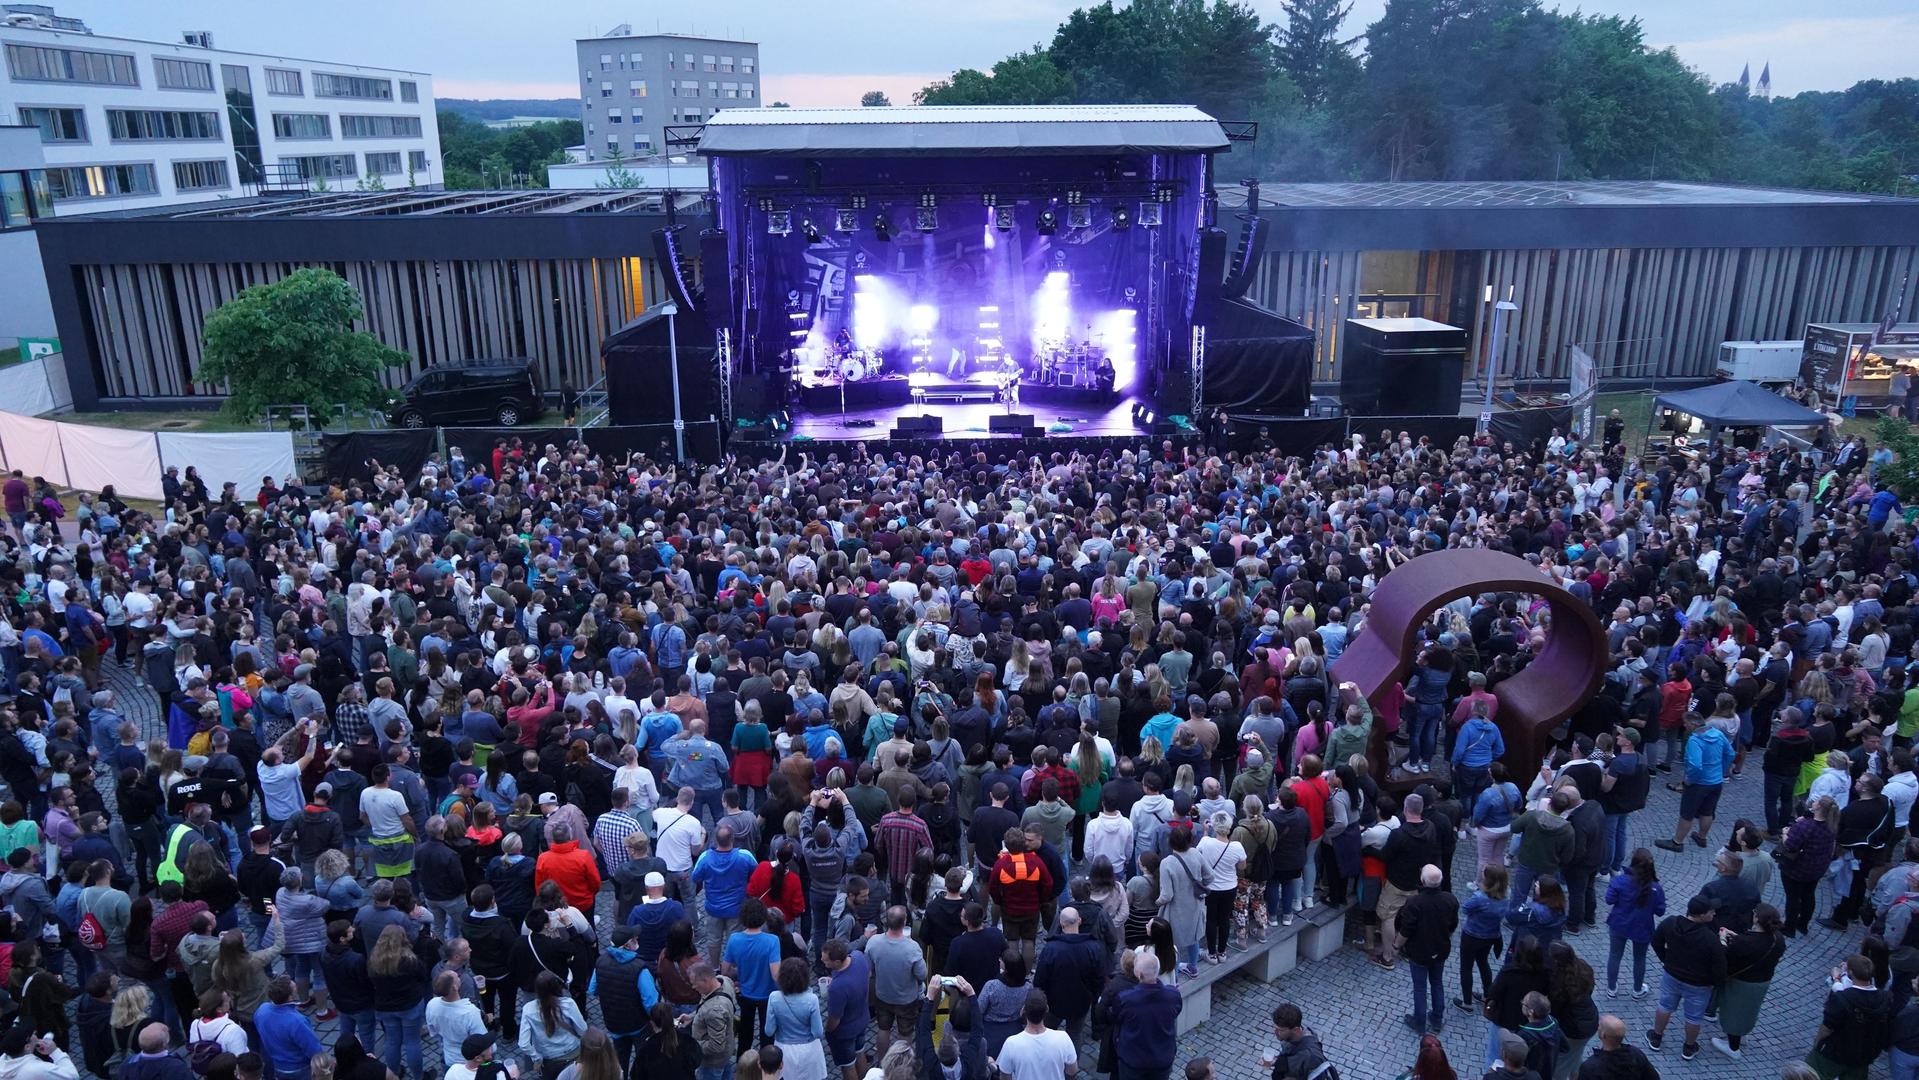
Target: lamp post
x,y
1501,312
672,311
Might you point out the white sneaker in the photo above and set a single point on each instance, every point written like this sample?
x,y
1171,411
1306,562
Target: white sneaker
x,y
1724,1047
1307,904
1286,919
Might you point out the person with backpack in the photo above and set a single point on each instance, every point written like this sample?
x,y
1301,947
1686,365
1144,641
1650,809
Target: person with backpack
x,y
1298,1055
104,911
1855,1025
215,1032
1259,838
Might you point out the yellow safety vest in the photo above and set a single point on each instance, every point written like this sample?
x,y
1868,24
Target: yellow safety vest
x,y
170,866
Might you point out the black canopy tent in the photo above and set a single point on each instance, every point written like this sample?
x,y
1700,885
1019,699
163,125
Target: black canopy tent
x,y
1738,404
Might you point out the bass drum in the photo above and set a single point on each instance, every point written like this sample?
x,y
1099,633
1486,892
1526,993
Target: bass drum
x,y
852,369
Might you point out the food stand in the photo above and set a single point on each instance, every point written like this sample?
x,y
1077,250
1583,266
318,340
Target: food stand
x,y
1841,361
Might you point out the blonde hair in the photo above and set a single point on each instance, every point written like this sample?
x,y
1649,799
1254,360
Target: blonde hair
x,y
130,1005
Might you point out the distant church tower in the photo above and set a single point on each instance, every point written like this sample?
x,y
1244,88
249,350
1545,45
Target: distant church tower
x,y
1764,87
1745,77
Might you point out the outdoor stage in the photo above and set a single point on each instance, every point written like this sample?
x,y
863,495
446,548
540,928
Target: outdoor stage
x,y
969,421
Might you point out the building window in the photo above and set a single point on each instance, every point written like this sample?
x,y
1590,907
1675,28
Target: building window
x,y
712,89
746,65
102,181
726,64
687,59
379,127
746,90
352,86
606,89
637,58
302,126
416,161
636,88
284,82
322,166
34,63
612,116
409,91
671,63
56,125
200,175
710,62
172,74
15,212
606,60
642,141
689,89
147,125
386,163
613,145
639,116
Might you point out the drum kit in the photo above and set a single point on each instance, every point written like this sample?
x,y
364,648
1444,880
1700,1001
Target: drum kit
x,y
1069,363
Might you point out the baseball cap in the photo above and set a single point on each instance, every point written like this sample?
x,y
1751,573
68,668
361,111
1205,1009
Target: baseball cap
x,y
193,762
475,1045
323,788
302,671
549,799
259,833
655,880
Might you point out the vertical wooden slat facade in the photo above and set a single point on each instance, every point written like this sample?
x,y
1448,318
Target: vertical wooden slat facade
x,y
147,318
1643,313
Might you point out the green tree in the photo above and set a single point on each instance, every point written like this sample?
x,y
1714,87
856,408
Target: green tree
x,y
617,174
292,342
1310,50
779,105
874,98
1024,78
1902,475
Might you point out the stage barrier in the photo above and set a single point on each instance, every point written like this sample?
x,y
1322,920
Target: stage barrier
x,y
1297,436
349,455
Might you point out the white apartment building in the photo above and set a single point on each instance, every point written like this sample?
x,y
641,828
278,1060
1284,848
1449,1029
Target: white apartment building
x,y
127,124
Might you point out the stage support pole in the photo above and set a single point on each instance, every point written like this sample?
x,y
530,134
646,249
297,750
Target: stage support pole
x,y
1501,312
672,312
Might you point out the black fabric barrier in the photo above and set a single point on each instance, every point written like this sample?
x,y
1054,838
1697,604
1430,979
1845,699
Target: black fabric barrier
x,y
615,443
1256,360
1296,436
1521,426
346,453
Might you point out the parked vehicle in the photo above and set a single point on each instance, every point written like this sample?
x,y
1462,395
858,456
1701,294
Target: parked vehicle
x,y
1771,362
501,390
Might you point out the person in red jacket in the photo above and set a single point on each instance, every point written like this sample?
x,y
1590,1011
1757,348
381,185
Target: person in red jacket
x,y
776,883
571,868
1675,697
1019,884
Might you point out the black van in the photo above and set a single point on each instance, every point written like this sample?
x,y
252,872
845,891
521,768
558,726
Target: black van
x,y
503,391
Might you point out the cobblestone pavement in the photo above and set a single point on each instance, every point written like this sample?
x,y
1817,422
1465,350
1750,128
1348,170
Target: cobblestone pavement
x,y
1356,1008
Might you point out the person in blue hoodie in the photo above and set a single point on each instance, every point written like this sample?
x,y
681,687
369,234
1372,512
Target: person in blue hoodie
x,y
653,917
1637,902
1542,914
1709,755
1476,746
1479,931
1492,816
722,871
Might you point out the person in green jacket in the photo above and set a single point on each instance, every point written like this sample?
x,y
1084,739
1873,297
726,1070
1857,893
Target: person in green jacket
x,y
1355,735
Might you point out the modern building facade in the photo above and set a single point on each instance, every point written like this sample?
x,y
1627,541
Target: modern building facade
x,y
634,86
1648,277
126,123
25,311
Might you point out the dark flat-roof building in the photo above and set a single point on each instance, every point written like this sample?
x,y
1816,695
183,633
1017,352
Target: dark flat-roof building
x,y
1647,276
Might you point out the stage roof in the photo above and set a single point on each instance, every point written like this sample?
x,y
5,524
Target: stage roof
x,y
894,131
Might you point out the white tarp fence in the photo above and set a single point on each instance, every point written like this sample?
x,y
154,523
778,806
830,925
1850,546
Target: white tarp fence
x,y
33,447
25,390
242,457
99,456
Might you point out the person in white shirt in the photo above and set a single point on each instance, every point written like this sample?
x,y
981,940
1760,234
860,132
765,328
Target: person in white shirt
x,y
453,1018
1038,1052
1109,834
214,1025
678,835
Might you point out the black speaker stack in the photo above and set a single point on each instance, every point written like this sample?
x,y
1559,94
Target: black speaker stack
x,y
1401,367
1014,424
912,427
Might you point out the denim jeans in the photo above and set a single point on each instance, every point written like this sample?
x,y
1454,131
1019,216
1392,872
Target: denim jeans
x,y
1580,899
1616,851
1469,781
1680,997
1423,741
1778,802
1616,951
1521,887
1904,1066
401,1032
446,916
1428,978
1189,955
714,1072
258,927
1309,873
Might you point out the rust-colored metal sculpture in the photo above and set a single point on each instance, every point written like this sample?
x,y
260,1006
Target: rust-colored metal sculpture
x,y
1563,677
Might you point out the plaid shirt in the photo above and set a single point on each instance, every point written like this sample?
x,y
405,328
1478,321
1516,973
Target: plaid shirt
x,y
349,721
901,836
609,835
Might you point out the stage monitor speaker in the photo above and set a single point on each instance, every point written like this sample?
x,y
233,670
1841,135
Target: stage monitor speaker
x,y
716,286
1252,248
1212,274
1020,423
666,248
909,426
1066,378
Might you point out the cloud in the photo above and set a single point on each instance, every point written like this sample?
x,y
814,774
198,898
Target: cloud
x,y
1811,54
822,90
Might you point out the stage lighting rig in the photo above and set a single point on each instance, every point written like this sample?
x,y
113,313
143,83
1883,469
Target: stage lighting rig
x,y
859,202
1047,223
926,219
810,231
1079,216
1151,214
1003,218
989,199
779,222
1122,218
1163,194
846,220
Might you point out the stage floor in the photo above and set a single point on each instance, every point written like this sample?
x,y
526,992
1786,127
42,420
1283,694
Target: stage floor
x,y
968,421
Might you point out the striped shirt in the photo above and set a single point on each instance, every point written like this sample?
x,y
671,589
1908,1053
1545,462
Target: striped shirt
x,y
900,836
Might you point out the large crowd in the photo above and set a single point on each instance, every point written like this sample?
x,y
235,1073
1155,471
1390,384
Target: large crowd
x,y
854,764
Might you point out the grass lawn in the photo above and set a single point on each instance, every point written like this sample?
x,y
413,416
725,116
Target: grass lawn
x,y
1636,409
10,356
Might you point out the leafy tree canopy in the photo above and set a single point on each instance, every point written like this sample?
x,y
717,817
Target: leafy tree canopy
x,y
874,98
476,156
292,342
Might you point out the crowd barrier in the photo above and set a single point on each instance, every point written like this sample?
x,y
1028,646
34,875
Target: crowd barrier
x,y
131,462
349,455
1301,436
36,387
